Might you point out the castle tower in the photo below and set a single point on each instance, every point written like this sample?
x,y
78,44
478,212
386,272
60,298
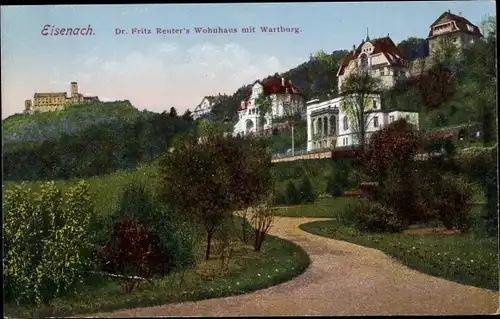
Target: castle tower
x,y
74,89
27,106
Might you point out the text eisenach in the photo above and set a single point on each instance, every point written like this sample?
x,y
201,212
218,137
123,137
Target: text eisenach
x,y
52,30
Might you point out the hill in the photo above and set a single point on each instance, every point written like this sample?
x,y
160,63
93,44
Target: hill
x,y
49,125
88,140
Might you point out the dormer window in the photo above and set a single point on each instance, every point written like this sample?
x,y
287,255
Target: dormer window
x,y
470,28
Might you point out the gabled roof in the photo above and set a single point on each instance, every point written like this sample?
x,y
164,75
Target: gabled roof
x,y
381,45
54,94
272,86
461,24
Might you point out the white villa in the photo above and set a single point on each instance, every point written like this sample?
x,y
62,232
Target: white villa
x,y
205,106
328,126
280,91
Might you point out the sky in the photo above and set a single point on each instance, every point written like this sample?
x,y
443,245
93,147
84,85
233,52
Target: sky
x,y
159,71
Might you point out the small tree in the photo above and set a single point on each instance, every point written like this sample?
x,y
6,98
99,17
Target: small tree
x,y
262,221
357,91
208,180
292,194
306,190
187,116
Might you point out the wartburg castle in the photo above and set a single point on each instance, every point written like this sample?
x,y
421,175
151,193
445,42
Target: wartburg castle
x,y
45,102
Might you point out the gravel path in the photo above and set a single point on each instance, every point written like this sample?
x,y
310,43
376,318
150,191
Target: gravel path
x,y
343,279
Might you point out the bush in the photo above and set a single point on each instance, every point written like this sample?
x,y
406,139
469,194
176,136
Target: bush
x,y
306,191
453,202
373,217
175,234
45,242
339,181
134,251
347,215
292,194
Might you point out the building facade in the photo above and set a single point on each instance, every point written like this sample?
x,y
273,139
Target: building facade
x,y
281,94
205,107
328,123
46,102
454,29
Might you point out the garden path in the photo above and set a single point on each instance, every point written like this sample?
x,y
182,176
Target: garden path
x,y
343,279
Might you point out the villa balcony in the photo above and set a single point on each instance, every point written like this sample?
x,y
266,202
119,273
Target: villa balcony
x,y
319,136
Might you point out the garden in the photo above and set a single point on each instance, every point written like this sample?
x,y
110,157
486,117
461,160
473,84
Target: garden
x,y
114,242
423,213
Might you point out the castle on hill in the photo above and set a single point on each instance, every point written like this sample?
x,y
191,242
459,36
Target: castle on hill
x,y
46,102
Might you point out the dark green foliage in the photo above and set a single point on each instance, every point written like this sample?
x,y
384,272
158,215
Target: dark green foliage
x,y
373,217
95,150
292,194
347,216
306,191
338,182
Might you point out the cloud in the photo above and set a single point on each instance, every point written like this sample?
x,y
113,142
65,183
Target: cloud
x,y
164,74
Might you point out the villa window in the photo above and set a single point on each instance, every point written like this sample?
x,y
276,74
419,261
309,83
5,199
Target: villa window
x,y
375,121
407,118
374,104
391,118
382,73
346,123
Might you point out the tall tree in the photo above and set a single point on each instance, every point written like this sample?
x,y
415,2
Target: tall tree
x,y
187,116
293,111
173,112
357,91
264,105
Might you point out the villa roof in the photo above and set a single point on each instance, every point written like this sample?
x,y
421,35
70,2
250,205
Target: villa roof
x,y
273,86
52,94
381,45
462,24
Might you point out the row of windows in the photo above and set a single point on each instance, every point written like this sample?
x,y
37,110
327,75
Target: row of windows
x,y
376,122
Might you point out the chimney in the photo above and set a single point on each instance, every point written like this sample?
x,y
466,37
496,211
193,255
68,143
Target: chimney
x,y
460,13
388,35
449,11
282,81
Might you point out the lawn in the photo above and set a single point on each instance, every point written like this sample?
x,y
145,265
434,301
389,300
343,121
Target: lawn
x,y
464,258
247,270
323,207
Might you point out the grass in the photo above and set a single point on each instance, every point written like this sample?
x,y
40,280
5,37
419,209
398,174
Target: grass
x,y
247,270
323,207
464,258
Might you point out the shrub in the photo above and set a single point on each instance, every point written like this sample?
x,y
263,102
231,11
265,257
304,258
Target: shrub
x,y
292,194
45,242
347,215
453,202
306,191
373,217
339,179
133,251
262,221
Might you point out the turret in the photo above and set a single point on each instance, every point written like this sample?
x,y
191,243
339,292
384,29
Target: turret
x,y
74,89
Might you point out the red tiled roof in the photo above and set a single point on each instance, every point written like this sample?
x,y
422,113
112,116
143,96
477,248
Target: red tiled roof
x,y
273,86
460,22
381,45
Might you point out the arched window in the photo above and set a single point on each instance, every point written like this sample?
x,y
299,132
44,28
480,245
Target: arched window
x,y
346,123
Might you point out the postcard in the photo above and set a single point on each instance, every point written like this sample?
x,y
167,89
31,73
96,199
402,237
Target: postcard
x,y
270,159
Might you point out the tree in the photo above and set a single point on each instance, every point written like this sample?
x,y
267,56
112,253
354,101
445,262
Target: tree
x,y
187,116
262,220
413,48
264,105
306,190
292,194
293,111
173,112
357,92
207,181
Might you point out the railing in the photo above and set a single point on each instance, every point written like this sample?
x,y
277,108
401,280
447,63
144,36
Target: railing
x,y
304,151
